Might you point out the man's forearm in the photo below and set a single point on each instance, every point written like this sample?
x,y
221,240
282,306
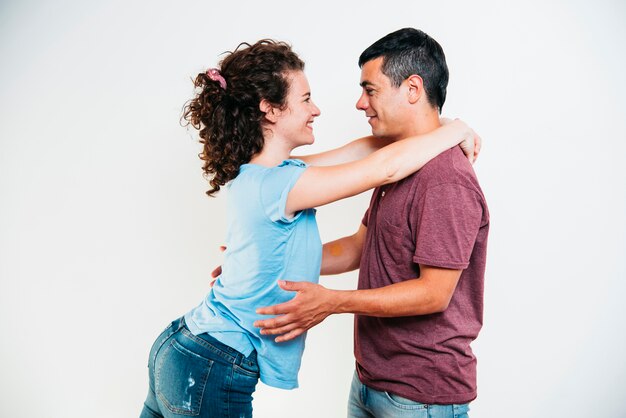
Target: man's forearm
x,y
401,299
431,293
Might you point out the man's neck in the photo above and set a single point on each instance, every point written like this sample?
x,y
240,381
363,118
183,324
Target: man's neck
x,y
422,123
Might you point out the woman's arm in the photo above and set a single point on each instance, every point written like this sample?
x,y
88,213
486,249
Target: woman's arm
x,y
321,185
352,151
362,147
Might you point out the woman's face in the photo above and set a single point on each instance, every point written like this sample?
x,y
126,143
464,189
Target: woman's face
x,y
294,122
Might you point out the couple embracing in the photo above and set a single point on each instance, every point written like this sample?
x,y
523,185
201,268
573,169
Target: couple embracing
x,y
420,247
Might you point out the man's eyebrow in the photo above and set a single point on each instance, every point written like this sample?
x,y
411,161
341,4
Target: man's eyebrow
x,y
366,83
308,93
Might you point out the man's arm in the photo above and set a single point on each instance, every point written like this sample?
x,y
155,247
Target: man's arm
x,y
430,293
344,254
338,256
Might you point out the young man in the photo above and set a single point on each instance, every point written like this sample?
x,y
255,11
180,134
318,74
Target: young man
x,y
421,250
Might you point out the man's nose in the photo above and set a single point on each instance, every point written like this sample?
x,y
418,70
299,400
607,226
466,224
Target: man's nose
x,y
362,103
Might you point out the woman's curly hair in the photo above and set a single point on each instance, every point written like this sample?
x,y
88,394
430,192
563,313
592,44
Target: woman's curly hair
x,y
230,120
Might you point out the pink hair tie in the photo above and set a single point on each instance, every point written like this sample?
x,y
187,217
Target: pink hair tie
x,y
215,75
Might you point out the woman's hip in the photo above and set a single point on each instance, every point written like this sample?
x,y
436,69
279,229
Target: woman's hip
x,y
198,375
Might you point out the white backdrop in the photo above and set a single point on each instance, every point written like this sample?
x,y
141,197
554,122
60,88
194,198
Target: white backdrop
x,y
106,234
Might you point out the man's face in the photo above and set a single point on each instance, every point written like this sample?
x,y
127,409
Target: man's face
x,y
384,105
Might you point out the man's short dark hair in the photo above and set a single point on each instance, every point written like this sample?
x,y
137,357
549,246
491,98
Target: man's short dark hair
x,y
410,51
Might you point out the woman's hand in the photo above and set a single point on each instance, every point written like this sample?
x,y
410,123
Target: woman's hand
x,y
471,146
471,143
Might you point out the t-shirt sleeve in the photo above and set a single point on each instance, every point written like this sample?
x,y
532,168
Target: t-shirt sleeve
x,y
449,217
275,188
366,218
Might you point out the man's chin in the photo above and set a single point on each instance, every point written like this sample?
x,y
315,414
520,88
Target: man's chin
x,y
379,133
383,135
377,130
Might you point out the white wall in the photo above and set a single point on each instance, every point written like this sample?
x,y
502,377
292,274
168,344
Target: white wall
x,y
106,234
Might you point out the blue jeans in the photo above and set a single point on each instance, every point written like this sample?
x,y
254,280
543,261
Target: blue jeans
x,y
198,376
365,402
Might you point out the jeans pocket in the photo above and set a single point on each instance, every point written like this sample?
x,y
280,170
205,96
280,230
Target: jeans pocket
x,y
181,377
404,403
245,377
242,387
248,368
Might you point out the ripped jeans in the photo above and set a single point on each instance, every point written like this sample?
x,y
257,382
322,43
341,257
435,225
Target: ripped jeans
x,y
198,376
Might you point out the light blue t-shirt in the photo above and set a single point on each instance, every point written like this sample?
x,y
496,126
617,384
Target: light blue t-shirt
x,y
263,246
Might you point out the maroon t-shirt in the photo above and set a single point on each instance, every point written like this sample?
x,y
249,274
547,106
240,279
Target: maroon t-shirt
x,y
436,217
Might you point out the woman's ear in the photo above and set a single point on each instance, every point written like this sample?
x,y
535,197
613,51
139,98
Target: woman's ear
x,y
271,113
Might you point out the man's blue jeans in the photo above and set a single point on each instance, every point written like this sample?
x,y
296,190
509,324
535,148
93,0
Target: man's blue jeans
x,y
198,376
365,402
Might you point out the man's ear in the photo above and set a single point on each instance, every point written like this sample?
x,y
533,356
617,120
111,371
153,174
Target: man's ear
x,y
271,113
416,88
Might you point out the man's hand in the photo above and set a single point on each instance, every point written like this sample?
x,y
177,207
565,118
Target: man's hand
x,y
311,305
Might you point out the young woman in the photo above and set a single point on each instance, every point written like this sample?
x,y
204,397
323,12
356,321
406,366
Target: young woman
x,y
251,114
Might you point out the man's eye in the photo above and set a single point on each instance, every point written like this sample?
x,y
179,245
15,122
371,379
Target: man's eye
x,y
369,92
